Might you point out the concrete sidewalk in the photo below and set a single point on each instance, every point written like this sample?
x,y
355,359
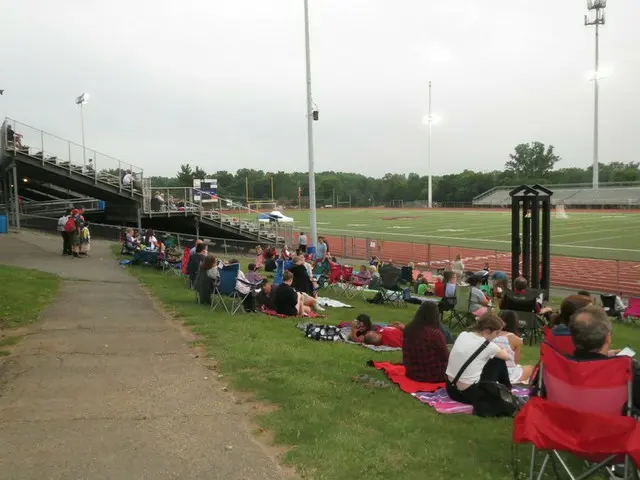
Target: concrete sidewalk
x,y
106,387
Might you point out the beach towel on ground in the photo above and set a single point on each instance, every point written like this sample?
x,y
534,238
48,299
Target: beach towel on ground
x,y
273,313
397,374
442,403
329,302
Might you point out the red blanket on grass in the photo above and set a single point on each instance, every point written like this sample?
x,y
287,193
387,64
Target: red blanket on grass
x,y
397,375
273,313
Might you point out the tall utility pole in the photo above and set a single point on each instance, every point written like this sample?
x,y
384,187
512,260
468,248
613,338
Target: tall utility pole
x,y
312,175
429,185
596,19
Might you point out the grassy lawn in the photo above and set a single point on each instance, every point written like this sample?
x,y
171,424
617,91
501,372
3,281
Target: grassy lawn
x,y
338,428
23,295
592,234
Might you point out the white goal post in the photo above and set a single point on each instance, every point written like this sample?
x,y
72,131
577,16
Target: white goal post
x,y
561,212
271,206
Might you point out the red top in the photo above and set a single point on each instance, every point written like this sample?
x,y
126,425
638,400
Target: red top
x,y
391,337
438,290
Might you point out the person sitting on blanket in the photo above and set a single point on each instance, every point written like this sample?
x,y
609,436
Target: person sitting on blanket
x,y
489,365
390,336
568,308
512,343
424,348
265,296
287,301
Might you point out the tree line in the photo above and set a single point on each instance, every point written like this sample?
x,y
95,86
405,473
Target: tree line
x,y
529,163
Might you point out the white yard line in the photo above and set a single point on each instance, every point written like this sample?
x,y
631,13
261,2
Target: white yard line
x,y
465,239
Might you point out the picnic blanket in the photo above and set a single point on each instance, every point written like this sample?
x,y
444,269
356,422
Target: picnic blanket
x,y
442,403
342,335
432,394
397,374
273,313
329,302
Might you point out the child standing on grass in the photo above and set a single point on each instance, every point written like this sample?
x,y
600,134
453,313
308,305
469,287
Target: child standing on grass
x,y
85,239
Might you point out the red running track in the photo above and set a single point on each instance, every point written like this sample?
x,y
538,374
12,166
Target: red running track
x,y
612,276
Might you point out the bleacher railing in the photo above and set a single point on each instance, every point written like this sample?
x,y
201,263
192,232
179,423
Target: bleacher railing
x,y
54,150
178,201
115,233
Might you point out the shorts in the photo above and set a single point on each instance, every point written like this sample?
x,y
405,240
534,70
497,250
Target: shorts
x,y
74,238
303,248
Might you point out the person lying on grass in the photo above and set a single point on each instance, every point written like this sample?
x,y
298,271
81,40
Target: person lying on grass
x,y
390,336
360,326
424,348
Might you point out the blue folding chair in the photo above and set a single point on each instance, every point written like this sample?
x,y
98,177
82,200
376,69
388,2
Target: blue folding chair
x,y
226,289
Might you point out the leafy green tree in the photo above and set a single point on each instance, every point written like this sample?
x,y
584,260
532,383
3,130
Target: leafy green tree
x,y
532,160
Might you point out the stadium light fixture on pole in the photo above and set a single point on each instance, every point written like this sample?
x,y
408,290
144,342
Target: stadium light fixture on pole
x,y
81,100
429,121
312,115
596,19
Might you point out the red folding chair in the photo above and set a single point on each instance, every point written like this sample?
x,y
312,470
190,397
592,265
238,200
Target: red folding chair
x,y
354,284
582,415
632,311
562,343
345,279
335,274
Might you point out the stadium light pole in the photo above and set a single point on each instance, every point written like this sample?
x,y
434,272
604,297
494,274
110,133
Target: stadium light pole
x,y
429,121
310,119
81,100
597,19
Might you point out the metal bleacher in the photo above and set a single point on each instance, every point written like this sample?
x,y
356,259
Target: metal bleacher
x,y
607,195
42,175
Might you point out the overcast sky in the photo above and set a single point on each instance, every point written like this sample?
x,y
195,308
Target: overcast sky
x,y
221,84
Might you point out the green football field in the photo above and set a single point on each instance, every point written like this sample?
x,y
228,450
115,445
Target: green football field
x,y
594,234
